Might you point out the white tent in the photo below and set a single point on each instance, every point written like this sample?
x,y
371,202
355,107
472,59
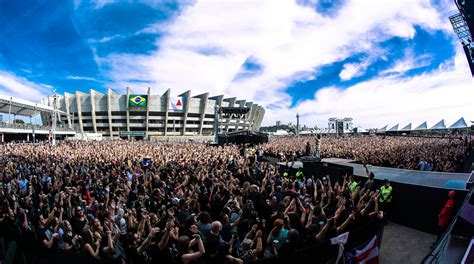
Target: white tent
x,y
393,129
422,126
406,128
383,129
461,123
439,125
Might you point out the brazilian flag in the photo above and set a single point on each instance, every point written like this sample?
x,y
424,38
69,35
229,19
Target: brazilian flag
x,y
137,100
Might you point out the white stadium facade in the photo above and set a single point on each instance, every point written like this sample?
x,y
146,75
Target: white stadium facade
x,y
148,115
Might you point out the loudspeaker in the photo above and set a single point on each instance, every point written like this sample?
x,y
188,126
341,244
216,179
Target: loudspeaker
x,y
321,169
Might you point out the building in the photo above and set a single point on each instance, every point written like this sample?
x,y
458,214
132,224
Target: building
x,y
340,126
278,123
149,115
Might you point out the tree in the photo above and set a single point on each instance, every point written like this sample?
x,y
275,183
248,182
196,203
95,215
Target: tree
x,y
18,121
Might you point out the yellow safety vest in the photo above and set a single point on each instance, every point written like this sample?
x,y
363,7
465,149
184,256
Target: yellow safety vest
x,y
385,193
299,176
352,186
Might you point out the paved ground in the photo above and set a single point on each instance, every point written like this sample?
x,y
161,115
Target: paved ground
x,y
402,244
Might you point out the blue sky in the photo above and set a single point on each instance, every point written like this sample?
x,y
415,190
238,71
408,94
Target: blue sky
x,y
380,63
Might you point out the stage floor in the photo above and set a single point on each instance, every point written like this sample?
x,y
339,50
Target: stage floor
x,y
456,181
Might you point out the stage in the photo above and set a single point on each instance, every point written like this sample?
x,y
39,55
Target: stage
x,y
418,196
445,180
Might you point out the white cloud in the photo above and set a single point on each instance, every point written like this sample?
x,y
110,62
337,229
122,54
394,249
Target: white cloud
x,y
104,39
72,77
352,70
409,61
289,41
22,88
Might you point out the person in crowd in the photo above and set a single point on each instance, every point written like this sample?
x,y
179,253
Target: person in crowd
x,y
385,199
278,235
369,184
444,217
186,254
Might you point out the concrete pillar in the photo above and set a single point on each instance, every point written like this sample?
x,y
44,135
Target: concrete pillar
x,y
166,97
128,110
79,112
231,104
92,100
202,110
28,137
147,113
240,103
248,116
187,99
218,99
68,109
109,112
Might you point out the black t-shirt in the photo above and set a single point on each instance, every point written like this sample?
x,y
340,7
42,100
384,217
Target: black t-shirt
x,y
165,256
46,234
134,258
287,250
8,230
78,225
212,244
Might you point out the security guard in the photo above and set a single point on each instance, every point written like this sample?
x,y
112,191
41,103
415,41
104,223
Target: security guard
x,y
352,184
385,199
299,175
385,192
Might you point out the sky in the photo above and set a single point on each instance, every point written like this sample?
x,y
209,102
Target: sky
x,y
380,62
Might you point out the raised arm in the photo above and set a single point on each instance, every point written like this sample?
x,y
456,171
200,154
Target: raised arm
x,y
344,225
147,241
195,255
259,246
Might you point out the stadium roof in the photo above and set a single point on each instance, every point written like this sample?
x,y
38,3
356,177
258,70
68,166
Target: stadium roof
x,y
439,125
22,107
406,128
461,123
422,126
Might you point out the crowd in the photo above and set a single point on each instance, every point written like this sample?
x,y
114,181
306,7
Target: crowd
x,y
414,153
143,202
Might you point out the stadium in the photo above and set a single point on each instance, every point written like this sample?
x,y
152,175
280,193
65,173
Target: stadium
x,y
142,116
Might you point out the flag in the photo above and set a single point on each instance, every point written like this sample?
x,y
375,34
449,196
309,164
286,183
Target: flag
x,y
137,100
369,254
176,103
340,240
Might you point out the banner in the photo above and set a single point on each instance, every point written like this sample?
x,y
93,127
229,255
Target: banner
x,y
137,100
177,103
